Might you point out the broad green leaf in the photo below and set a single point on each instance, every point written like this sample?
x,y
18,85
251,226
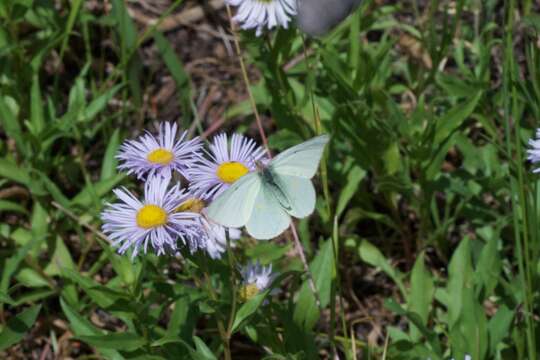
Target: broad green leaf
x,y
108,166
459,277
11,125
202,349
421,295
114,341
454,118
370,254
37,118
175,66
14,172
354,177
306,312
250,307
5,298
60,259
6,205
94,192
17,327
98,104
101,295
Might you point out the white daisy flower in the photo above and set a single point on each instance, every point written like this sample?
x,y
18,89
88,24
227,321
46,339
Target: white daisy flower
x,y
213,236
533,153
227,163
257,278
258,14
153,221
151,155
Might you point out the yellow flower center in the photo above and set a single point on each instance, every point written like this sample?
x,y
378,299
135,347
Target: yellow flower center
x,y
191,205
248,291
151,216
229,172
160,156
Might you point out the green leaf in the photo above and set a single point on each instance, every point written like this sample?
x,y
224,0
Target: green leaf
x,y
60,259
421,295
17,327
6,205
454,118
108,166
101,295
11,125
125,341
98,104
250,307
203,350
78,324
175,66
6,299
94,192
306,312
14,172
459,278
354,177
37,118
370,254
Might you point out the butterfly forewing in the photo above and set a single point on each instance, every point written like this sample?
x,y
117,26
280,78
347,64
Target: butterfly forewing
x,y
233,207
301,160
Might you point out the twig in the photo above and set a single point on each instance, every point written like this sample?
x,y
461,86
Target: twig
x,y
87,226
297,243
300,250
246,81
173,21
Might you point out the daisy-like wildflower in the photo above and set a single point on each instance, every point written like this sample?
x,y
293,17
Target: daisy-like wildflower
x,y
154,221
228,162
216,237
160,155
257,278
213,237
258,14
533,153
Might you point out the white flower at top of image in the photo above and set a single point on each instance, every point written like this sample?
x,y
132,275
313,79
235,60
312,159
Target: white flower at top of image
x,y
161,154
212,236
533,153
227,162
256,278
260,14
153,221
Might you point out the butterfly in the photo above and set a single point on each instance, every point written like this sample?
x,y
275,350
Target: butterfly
x,y
317,17
265,199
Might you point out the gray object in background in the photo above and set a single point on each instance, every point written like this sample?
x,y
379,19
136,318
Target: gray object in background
x,y
317,17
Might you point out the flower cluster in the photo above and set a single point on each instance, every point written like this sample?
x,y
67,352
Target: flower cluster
x,y
180,179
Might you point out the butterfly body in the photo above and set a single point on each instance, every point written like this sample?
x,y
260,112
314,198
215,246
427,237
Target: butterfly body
x,y
264,200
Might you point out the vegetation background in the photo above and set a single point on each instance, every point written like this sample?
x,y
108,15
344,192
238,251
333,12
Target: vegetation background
x,y
425,240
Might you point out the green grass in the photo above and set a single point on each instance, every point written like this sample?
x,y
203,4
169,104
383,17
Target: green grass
x,y
426,204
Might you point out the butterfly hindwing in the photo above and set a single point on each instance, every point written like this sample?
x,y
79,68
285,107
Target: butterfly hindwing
x,y
234,206
300,194
301,160
268,218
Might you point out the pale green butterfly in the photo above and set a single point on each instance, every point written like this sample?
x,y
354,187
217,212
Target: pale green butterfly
x,y
264,200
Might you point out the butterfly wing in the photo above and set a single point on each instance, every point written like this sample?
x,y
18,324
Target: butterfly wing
x,y
301,160
317,17
268,218
233,207
299,192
